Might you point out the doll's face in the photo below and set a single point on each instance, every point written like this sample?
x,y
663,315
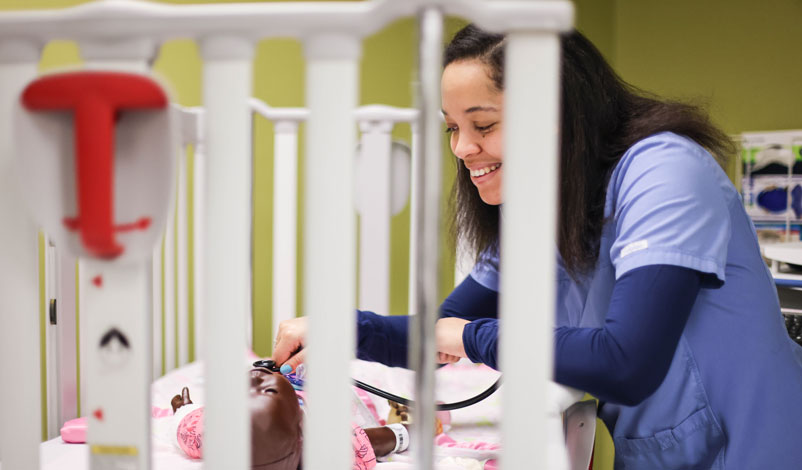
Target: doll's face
x,y
276,420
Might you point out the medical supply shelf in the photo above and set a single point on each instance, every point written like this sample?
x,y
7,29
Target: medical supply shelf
x,y
770,175
789,285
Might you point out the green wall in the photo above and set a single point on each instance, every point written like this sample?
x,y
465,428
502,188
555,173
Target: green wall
x,y
743,57
740,59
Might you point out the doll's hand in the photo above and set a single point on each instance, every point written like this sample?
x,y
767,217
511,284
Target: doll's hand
x,y
448,334
288,348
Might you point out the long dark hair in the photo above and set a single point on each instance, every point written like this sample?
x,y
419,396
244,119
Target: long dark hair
x,y
601,117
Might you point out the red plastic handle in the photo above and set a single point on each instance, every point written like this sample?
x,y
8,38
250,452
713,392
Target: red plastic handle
x,y
95,99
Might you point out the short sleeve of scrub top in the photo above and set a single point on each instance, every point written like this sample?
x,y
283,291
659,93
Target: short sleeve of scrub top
x,y
485,271
668,209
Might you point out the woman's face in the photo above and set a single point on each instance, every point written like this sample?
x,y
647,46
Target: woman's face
x,y
473,109
275,421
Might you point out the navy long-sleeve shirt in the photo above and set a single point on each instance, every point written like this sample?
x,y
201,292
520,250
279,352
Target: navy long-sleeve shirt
x,y
624,361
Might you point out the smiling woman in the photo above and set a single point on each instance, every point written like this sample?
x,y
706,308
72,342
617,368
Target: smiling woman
x,y
656,253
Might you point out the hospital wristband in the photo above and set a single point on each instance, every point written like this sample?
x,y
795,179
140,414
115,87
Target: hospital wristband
x,y
401,437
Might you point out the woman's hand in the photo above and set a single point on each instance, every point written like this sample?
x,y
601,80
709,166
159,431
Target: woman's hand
x,y
290,339
443,358
448,334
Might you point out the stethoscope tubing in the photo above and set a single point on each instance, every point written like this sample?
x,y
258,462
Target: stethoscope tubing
x,y
272,366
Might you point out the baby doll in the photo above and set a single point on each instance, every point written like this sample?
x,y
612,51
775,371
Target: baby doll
x,y
277,427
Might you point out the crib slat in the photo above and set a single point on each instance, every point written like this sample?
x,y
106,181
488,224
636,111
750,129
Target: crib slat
x,y
116,298
375,214
52,339
157,316
226,276
181,262
285,208
332,74
429,179
191,137
67,347
168,301
20,428
527,303
198,221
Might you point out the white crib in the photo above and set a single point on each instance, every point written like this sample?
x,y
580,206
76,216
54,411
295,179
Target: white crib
x,y
121,34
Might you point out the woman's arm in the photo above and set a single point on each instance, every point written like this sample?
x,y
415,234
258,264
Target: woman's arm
x,y
627,359
470,300
384,338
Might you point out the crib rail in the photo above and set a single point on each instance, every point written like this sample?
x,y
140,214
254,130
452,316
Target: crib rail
x,y
125,19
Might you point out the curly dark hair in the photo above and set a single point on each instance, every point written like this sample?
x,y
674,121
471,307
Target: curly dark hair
x,y
601,117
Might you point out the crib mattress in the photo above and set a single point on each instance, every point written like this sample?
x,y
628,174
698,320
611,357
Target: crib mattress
x,y
477,423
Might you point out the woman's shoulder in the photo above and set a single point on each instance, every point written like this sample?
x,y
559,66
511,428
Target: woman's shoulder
x,y
670,161
670,157
667,147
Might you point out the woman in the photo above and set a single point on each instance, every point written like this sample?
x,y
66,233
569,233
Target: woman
x,y
665,309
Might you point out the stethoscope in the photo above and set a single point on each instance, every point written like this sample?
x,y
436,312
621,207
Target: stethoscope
x,y
271,365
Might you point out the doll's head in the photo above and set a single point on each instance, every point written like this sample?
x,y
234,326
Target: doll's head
x,y
276,422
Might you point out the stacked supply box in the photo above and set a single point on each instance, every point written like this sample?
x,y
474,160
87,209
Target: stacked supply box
x,y
771,183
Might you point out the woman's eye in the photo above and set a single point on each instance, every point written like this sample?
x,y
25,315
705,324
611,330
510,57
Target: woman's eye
x,y
485,128
269,390
451,129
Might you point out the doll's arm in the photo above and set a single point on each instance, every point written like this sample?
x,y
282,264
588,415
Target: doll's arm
x,y
388,439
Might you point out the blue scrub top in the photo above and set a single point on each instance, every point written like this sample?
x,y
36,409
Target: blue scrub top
x,y
732,397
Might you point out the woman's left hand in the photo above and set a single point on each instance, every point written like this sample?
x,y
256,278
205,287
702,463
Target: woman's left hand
x,y
448,334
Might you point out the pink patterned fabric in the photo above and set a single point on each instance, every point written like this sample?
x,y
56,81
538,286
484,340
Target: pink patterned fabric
x,y
156,412
368,402
364,457
190,434
444,440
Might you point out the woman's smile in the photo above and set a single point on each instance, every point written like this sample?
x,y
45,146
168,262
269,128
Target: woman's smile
x,y
478,173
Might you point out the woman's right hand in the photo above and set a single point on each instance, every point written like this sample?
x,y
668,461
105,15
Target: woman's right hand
x,y
290,340
443,358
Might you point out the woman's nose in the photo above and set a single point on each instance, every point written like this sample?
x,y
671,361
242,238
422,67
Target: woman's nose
x,y
464,146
